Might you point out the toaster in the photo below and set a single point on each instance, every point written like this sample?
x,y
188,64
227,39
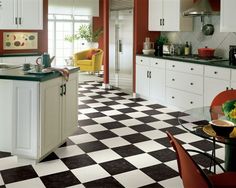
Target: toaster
x,y
166,49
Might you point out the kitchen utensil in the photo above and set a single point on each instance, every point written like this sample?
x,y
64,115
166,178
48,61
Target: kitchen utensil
x,y
222,127
206,52
208,29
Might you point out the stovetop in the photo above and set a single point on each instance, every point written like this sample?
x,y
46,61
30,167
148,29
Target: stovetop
x,y
195,57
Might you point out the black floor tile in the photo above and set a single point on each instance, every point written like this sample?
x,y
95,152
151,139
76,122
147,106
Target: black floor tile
x,y
134,138
147,119
95,115
68,142
109,182
142,128
4,154
113,125
92,146
174,121
86,122
205,145
89,101
18,174
154,185
83,106
127,110
129,150
160,172
120,117
110,103
152,112
164,155
173,130
117,166
103,135
50,157
204,161
133,104
177,114
78,161
60,180
103,108
156,106
116,98
137,99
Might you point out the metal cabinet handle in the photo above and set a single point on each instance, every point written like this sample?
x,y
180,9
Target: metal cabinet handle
x,y
150,74
147,74
61,93
191,83
215,72
173,66
163,21
191,102
172,97
0,3
64,89
160,22
16,21
141,60
192,69
156,63
227,88
20,20
173,79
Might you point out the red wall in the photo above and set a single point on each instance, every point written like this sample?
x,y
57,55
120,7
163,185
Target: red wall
x,y
42,35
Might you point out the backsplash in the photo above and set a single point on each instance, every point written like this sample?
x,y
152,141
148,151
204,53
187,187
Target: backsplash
x,y
219,40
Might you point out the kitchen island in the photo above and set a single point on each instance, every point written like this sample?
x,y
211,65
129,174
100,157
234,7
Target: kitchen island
x,y
37,111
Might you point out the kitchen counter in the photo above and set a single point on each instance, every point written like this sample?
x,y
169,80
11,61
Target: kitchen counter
x,y
218,63
19,74
20,54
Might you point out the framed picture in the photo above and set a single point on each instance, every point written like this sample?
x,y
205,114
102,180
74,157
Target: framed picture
x,y
20,40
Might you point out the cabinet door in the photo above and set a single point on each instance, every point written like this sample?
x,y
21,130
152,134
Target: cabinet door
x,y
13,60
50,108
212,87
155,15
142,81
171,15
25,118
70,106
227,15
157,85
30,14
8,14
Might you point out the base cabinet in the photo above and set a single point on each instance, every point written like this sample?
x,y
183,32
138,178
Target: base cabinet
x,y
45,114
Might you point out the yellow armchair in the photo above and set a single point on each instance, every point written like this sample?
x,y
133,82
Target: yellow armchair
x,y
89,60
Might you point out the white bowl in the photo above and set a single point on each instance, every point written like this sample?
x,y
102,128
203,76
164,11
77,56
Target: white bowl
x,y
149,51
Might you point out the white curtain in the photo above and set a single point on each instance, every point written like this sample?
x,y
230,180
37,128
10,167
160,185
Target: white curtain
x,y
74,7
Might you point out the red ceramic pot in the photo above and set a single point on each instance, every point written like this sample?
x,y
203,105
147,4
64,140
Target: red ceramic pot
x,y
206,52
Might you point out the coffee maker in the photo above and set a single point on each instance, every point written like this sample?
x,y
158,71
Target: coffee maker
x,y
232,55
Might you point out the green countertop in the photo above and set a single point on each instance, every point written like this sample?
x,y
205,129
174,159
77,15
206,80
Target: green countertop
x,y
20,54
219,63
19,74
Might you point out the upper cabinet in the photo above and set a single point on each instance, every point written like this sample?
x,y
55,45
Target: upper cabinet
x,y
227,15
21,14
166,15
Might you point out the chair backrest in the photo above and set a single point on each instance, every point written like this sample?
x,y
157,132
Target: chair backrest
x,y
222,98
191,174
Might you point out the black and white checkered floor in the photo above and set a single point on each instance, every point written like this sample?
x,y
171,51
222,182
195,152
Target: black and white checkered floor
x,y
120,142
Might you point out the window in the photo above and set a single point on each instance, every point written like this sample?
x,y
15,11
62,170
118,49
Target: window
x,y
60,26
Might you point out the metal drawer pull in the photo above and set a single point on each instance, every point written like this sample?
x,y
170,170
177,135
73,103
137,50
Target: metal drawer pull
x,y
173,79
20,20
156,63
141,60
191,83
192,69
61,93
215,72
191,102
172,97
173,65
64,89
147,74
16,20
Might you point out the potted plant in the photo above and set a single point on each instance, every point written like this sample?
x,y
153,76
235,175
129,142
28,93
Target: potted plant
x,y
161,40
87,33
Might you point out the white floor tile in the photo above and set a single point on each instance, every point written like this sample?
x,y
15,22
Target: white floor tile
x,y
87,110
188,137
90,173
163,116
123,131
131,122
159,124
104,119
118,106
104,155
110,95
82,117
149,146
77,186
115,142
94,128
133,179
172,183
50,167
173,164
95,105
154,134
167,110
1,180
142,108
142,160
111,112
124,101
35,183
78,139
137,114
103,100
68,151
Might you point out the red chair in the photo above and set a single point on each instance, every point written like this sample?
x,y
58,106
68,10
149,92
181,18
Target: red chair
x,y
193,176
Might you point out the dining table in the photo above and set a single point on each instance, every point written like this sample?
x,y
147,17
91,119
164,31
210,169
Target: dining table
x,y
197,121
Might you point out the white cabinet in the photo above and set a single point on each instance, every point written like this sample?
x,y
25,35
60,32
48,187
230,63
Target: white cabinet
x,y
21,14
150,78
233,79
45,114
227,15
166,15
184,84
19,60
216,80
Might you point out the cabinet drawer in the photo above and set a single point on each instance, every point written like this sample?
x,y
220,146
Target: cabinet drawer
x,y
233,73
142,60
158,63
184,67
183,99
186,82
217,72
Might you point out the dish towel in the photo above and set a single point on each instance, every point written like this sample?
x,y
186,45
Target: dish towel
x,y
63,71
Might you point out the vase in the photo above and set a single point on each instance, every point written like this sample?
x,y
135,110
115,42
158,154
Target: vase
x,y
93,44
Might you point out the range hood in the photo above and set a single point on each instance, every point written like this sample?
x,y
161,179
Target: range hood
x,y
200,8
